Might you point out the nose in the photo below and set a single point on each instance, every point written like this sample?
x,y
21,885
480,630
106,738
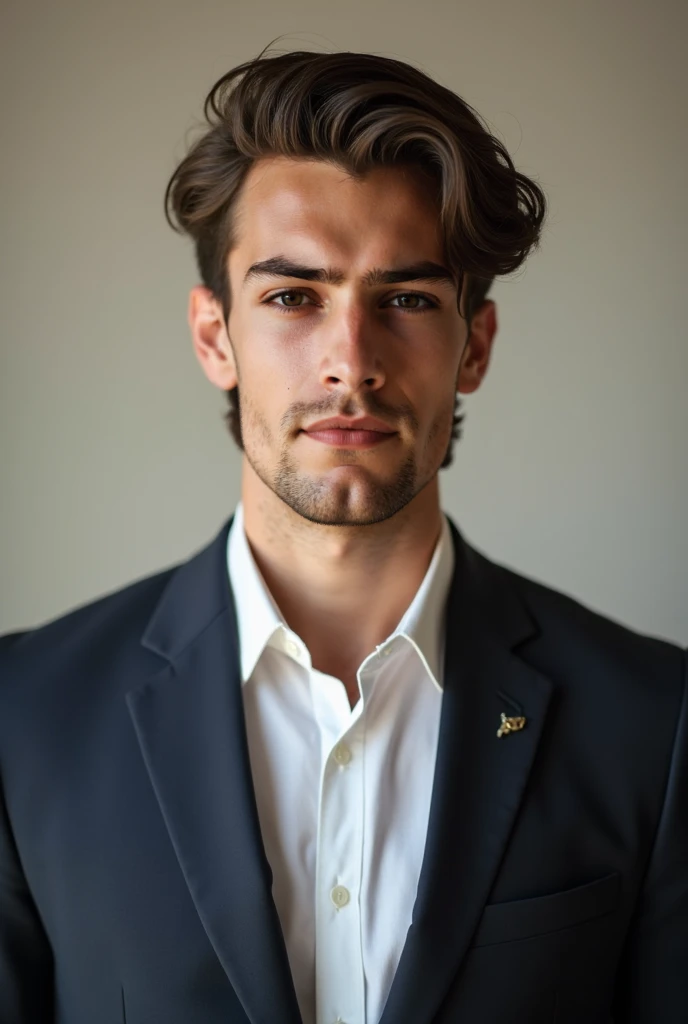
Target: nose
x,y
352,359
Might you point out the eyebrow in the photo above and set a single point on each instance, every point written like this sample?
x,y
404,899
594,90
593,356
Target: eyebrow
x,y
281,266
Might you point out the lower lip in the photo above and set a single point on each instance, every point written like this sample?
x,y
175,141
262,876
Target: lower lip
x,y
349,438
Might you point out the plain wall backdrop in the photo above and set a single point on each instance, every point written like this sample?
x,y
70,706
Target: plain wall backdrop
x,y
573,468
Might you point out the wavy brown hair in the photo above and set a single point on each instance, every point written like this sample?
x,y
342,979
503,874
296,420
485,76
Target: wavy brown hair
x,y
359,111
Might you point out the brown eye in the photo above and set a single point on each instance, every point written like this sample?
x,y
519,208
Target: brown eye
x,y
412,302
284,302
290,295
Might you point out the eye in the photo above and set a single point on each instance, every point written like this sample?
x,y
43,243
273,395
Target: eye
x,y
291,293
429,304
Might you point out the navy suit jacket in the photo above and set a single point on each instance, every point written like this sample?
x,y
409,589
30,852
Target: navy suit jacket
x,y
134,887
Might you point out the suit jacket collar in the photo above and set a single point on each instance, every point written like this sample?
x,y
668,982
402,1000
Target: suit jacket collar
x,y
190,725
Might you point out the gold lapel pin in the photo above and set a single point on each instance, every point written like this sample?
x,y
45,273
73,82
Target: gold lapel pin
x,y
510,724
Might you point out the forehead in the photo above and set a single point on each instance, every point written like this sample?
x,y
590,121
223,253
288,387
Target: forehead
x,y
317,209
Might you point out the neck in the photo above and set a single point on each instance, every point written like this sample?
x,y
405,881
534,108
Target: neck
x,y
342,589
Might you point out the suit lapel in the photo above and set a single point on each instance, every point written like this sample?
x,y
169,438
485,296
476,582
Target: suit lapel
x,y
189,721
479,780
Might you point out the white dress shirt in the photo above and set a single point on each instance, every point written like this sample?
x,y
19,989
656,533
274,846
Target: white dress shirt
x,y
343,794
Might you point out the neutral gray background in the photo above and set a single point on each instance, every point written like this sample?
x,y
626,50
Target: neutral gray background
x,y
115,460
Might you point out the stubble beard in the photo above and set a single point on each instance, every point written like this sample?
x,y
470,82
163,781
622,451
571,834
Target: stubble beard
x,y
344,502
347,502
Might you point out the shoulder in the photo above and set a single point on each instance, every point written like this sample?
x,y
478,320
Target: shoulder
x,y
619,696
575,643
78,666
115,610
71,655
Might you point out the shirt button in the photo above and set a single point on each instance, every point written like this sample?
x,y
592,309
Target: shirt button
x,y
291,648
340,896
341,754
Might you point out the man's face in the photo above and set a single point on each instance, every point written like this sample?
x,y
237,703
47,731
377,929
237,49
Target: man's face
x,y
345,344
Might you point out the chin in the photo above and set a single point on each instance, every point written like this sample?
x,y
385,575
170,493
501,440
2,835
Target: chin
x,y
346,502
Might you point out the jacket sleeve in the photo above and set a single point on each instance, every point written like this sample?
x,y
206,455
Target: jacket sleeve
x,y
26,961
652,982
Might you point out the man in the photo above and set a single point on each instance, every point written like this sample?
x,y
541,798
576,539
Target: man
x,y
339,767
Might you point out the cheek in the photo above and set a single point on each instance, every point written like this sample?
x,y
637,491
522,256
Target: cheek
x,y
270,384
434,383
440,419
277,354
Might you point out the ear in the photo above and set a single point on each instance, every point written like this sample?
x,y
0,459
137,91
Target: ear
x,y
210,340
476,355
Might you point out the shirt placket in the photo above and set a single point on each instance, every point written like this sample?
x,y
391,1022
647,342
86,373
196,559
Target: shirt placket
x,y
339,975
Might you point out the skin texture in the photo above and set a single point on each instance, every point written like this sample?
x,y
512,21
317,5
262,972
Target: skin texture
x,y
342,536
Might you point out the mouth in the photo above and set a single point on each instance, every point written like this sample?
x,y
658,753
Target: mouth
x,y
339,437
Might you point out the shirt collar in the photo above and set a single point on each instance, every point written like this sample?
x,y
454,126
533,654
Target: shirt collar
x,y
261,624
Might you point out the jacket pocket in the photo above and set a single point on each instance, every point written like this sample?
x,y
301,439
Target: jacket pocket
x,y
523,919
